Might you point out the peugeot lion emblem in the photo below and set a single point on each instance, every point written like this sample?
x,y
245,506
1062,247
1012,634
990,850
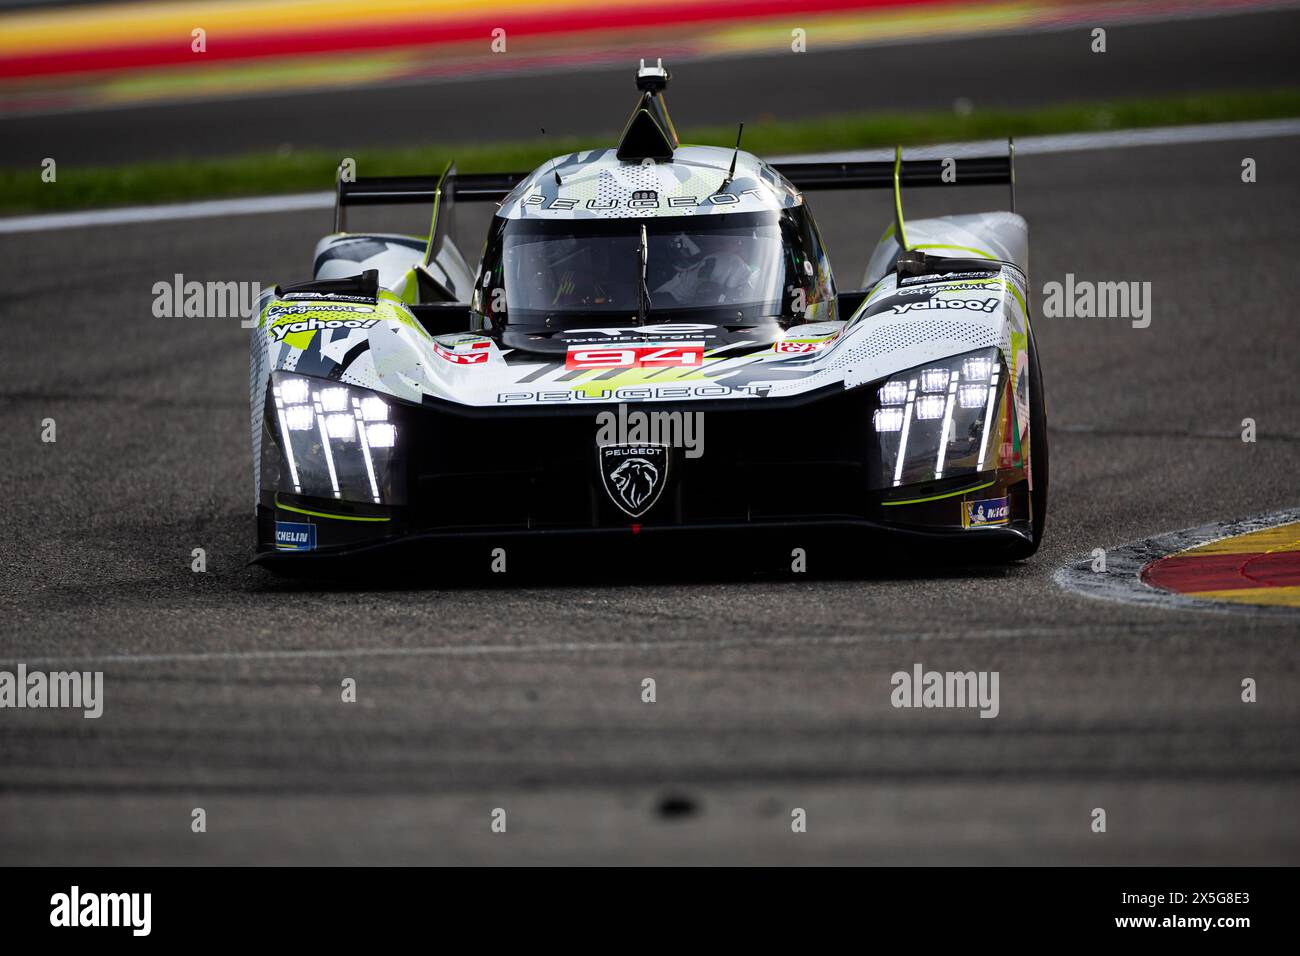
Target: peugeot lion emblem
x,y
634,475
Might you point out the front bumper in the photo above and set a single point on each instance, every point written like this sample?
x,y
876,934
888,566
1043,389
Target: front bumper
x,y
771,469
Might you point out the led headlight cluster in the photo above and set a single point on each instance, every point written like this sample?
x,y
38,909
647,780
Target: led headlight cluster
x,y
336,441
938,420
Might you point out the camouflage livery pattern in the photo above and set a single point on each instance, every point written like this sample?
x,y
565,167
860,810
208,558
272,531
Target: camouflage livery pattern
x,y
382,346
594,184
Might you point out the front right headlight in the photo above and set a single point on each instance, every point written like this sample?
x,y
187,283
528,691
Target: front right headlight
x,y
336,441
944,419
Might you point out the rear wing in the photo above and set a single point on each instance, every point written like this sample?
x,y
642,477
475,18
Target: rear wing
x,y
886,174
450,186
399,190
971,171
493,187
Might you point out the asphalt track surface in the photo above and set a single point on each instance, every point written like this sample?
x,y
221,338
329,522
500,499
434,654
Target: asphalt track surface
x,y
1245,51
222,688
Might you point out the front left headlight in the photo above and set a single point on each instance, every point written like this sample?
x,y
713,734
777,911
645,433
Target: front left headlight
x,y
336,441
943,419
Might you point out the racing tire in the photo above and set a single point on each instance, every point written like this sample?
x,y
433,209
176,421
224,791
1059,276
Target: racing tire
x,y
1038,458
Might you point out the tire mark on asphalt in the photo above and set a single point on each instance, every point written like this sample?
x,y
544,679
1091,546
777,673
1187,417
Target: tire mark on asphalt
x,y
574,647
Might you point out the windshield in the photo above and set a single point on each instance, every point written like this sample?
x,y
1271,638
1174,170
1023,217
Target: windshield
x,y
724,266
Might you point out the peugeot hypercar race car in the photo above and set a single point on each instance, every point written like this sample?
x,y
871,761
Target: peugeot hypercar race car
x,y
628,299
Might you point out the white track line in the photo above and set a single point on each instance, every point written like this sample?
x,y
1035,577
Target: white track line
x,y
191,210
1072,142
1029,146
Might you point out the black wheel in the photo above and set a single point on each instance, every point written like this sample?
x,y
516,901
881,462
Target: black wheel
x,y
1037,456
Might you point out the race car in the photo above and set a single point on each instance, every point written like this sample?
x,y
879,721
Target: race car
x,y
652,343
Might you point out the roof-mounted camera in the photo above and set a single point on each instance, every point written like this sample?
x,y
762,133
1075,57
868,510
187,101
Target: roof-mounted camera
x,y
652,79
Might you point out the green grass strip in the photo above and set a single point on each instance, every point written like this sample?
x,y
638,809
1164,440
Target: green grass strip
x,y
21,190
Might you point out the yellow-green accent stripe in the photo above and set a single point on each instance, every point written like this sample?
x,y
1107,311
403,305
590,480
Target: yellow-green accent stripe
x,y
943,245
322,514
437,204
898,197
950,494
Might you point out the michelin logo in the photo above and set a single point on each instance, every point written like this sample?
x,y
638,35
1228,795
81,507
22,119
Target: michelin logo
x,y
983,514
974,305
292,536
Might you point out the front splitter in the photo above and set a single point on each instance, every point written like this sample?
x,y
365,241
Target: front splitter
x,y
944,545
